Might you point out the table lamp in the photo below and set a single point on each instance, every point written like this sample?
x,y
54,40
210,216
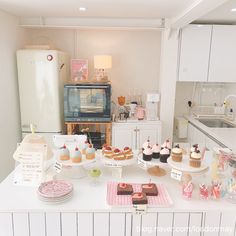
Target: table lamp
x,y
101,63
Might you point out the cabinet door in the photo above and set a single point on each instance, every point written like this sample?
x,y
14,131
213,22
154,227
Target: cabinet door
x,y
196,137
123,136
194,53
148,131
223,54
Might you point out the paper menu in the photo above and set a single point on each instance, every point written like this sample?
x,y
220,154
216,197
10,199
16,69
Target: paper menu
x,y
30,164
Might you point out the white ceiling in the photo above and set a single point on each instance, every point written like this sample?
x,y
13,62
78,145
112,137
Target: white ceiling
x,y
96,8
222,14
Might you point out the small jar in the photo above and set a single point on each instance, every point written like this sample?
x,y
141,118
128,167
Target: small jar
x,y
187,190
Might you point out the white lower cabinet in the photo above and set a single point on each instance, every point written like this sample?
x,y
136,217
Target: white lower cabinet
x,y
214,222
135,134
196,136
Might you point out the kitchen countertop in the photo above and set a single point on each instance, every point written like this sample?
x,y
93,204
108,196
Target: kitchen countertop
x,y
226,136
88,198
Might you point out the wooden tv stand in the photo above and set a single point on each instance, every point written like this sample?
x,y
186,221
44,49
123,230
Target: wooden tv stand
x,y
72,126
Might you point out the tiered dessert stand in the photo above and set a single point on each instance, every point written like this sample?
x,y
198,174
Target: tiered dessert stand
x,y
76,170
153,167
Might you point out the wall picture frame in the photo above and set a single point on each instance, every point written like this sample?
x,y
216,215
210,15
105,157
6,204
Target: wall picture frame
x,y
79,70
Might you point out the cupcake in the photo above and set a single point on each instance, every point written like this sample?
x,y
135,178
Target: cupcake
x,y
76,156
164,154
118,155
147,154
104,147
128,152
166,144
155,151
107,152
146,144
90,152
177,153
85,146
195,159
192,149
64,153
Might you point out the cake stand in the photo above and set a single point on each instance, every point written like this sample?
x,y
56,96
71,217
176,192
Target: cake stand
x,y
187,170
153,167
117,166
75,170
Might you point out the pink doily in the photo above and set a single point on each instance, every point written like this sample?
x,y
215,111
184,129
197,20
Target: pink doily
x,y
55,189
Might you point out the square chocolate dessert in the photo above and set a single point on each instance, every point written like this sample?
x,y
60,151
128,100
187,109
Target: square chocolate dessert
x,y
124,189
150,189
139,198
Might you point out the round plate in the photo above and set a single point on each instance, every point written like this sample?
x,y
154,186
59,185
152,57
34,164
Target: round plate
x,y
70,163
114,163
185,167
153,162
55,189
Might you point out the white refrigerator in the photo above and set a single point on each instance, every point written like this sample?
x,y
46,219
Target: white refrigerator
x,y
41,76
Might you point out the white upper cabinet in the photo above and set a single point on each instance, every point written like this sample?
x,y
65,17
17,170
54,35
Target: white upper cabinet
x,y
223,54
194,53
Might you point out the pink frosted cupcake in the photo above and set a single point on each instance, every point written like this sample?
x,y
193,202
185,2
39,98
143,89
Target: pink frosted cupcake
x,y
155,151
164,154
146,144
166,144
147,154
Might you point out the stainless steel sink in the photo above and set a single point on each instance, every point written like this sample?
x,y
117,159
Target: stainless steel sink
x,y
216,123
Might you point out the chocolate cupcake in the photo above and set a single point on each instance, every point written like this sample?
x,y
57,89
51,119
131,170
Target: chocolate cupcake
x,y
147,154
164,154
166,144
155,151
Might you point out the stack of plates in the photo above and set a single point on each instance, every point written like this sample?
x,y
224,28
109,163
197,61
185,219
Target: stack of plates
x,y
55,191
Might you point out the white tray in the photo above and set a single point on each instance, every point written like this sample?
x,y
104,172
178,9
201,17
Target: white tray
x,y
70,163
185,167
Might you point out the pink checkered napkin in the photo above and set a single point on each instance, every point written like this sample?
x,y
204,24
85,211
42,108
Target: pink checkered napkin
x,y
162,200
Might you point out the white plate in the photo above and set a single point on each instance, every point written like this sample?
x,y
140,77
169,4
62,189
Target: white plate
x,y
114,163
70,163
185,167
153,162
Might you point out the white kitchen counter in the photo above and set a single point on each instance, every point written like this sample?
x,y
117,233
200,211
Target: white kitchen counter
x,y
22,214
226,136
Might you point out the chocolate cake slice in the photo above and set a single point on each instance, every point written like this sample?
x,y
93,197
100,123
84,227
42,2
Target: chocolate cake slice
x,y
124,189
139,198
150,189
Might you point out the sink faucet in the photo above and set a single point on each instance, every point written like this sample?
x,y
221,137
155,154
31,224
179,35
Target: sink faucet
x,y
226,99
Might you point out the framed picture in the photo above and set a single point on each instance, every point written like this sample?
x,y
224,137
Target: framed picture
x,y
79,70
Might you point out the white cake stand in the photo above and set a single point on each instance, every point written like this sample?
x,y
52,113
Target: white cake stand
x,y
117,166
154,165
76,170
187,170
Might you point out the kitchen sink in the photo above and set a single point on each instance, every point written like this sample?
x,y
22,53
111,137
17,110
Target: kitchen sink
x,y
216,123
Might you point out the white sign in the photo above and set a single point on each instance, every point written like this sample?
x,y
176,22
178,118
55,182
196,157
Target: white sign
x,y
30,170
176,174
58,167
112,164
69,140
140,209
142,164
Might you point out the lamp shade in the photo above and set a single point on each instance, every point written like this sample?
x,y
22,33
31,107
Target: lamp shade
x,y
102,62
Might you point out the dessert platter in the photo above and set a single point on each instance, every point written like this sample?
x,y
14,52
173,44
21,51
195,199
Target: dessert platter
x,y
153,157
192,163
115,157
74,160
76,157
128,194
55,191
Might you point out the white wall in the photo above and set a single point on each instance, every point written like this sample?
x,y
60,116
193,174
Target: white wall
x,y
135,54
204,94
10,40
169,60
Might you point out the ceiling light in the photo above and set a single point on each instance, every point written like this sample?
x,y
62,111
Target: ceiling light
x,y
233,9
83,9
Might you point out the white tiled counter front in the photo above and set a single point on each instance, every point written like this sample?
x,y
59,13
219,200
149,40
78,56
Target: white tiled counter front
x,y
87,213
